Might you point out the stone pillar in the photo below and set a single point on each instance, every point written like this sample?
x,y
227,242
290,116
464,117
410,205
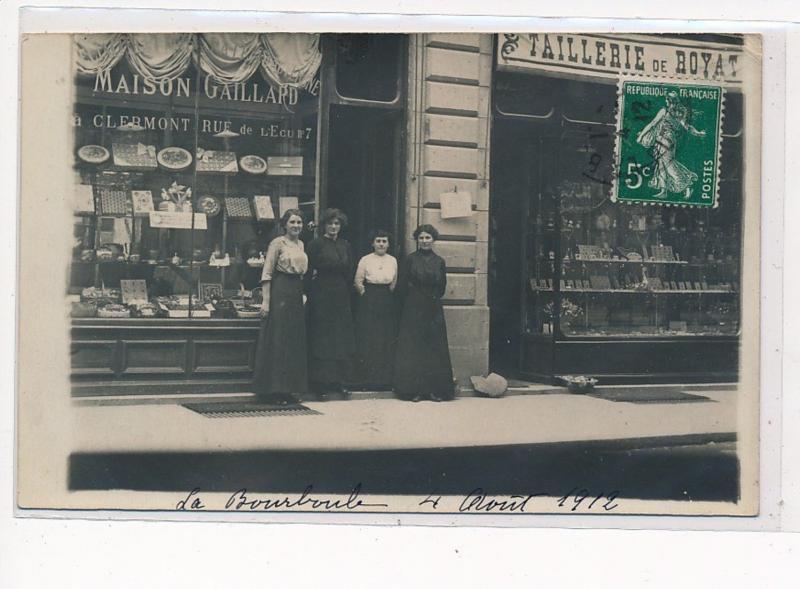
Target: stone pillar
x,y
448,149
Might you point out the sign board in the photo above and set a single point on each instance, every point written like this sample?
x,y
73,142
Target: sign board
x,y
606,57
171,220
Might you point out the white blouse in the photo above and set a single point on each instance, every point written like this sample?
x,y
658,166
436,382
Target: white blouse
x,y
284,255
375,269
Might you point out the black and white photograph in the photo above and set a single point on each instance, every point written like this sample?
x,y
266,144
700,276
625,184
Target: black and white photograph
x,y
497,274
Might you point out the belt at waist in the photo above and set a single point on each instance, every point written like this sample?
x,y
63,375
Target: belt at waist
x,y
287,275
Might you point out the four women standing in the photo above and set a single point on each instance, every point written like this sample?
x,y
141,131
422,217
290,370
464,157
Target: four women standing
x,y
413,357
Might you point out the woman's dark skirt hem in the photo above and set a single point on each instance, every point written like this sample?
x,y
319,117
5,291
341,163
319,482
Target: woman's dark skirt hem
x,y
376,333
331,338
281,367
422,365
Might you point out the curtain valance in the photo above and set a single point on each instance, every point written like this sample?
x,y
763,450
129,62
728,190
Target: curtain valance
x,y
283,58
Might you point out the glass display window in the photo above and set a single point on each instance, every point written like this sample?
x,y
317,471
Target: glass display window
x,y
182,184
603,269
597,268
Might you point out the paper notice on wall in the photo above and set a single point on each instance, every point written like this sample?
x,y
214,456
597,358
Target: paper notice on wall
x,y
287,202
456,204
173,220
263,206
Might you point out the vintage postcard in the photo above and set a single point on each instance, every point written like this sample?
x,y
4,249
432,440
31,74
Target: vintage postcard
x,y
506,274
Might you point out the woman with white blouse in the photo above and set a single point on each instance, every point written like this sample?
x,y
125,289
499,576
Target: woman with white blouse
x,y
376,326
281,372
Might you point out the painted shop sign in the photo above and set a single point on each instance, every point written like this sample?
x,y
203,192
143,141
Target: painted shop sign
x,y
182,87
183,124
609,56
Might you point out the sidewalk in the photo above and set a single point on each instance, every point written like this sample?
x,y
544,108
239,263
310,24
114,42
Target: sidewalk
x,y
545,417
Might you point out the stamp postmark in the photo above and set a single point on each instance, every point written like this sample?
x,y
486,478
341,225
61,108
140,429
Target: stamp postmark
x,y
668,143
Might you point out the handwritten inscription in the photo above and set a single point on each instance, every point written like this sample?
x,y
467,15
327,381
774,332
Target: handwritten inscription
x,y
476,501
242,501
577,497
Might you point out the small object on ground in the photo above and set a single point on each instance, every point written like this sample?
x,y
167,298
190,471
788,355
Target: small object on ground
x,y
493,386
579,385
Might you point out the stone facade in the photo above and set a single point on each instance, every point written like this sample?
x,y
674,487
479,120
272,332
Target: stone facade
x,y
448,137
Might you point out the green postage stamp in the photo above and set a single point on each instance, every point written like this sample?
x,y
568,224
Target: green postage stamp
x,y
668,143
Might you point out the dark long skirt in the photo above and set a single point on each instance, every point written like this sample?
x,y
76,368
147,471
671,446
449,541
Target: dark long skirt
x,y
422,365
281,367
376,331
331,338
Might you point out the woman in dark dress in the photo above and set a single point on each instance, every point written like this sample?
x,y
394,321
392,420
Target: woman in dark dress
x,y
281,372
376,327
422,365
331,338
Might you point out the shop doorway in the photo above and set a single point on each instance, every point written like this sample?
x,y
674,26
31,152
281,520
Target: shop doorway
x,y
518,156
363,179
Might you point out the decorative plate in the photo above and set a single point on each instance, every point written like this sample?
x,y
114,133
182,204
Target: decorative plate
x,y
252,164
94,154
174,158
210,205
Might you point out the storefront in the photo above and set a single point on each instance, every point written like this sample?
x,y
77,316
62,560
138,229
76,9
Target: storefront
x,y
625,292
188,147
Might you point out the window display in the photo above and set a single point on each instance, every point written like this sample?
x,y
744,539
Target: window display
x,y
606,269
182,189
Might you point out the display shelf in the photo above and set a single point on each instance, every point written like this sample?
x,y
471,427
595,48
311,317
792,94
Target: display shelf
x,y
650,333
634,291
182,266
612,261
151,322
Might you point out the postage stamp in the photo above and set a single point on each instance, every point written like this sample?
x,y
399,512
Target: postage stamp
x,y
668,143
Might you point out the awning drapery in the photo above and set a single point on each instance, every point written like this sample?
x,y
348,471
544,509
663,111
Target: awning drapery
x,y
228,58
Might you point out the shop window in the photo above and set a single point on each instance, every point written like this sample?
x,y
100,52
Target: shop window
x,y
592,268
631,270
180,185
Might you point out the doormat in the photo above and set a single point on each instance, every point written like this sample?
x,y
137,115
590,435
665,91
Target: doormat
x,y
648,395
217,410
